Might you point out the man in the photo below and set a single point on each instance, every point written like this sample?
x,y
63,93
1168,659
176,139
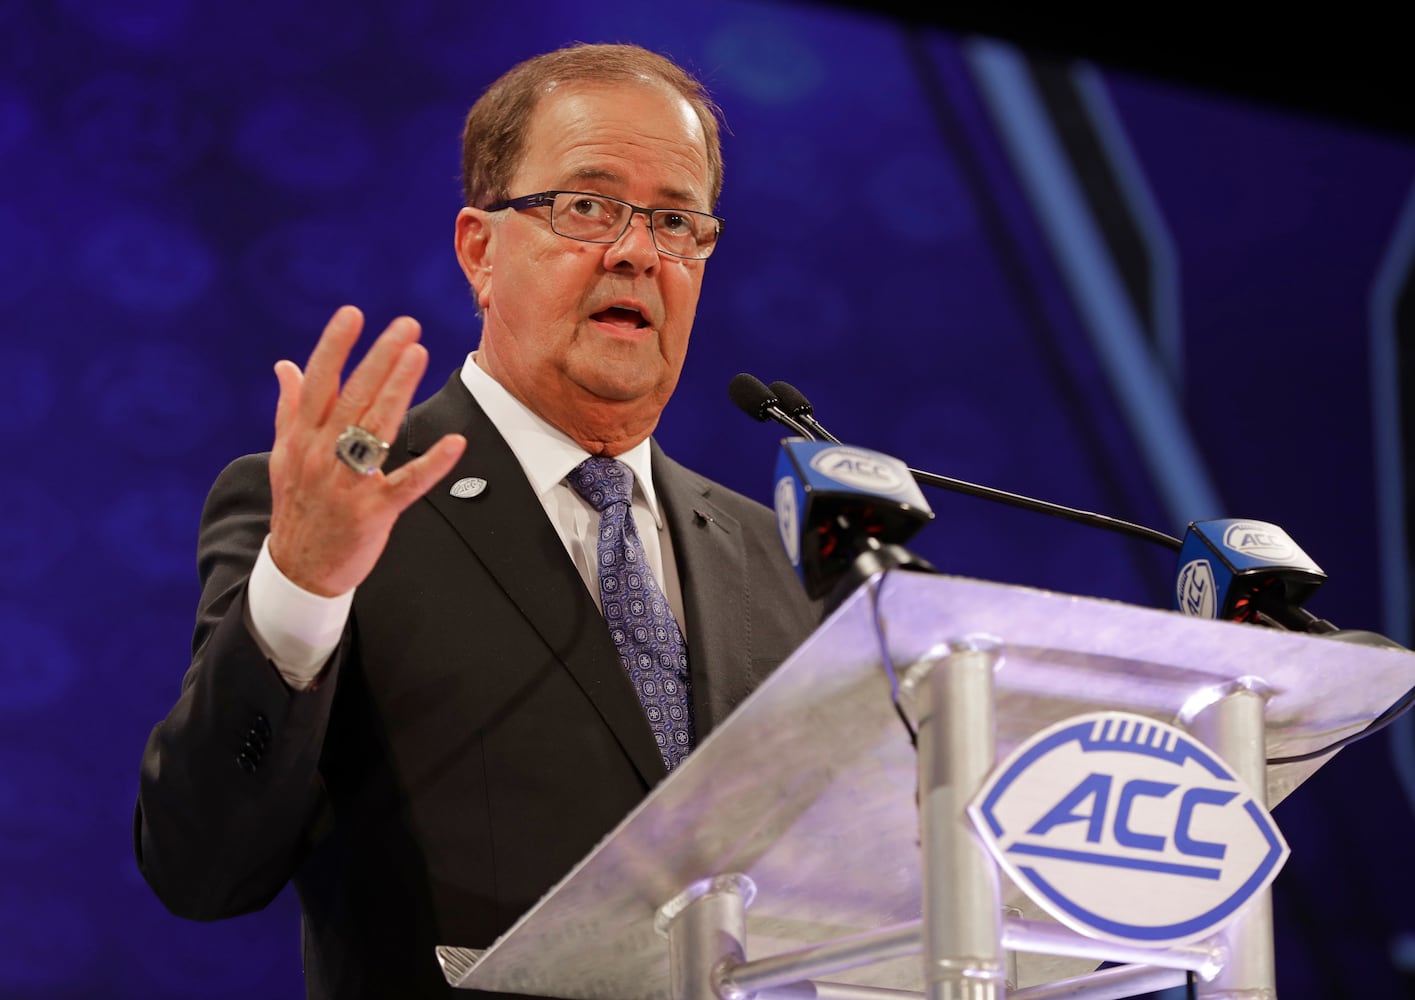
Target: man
x,y
404,696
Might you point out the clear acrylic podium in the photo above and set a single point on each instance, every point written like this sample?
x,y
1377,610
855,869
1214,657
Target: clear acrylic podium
x,y
807,849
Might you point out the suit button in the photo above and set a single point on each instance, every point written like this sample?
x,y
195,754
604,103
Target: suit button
x,y
246,762
261,726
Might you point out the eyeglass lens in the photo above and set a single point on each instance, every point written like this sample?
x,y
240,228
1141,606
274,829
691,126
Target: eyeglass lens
x,y
603,220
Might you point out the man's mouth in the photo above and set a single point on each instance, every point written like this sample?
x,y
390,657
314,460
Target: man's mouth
x,y
622,317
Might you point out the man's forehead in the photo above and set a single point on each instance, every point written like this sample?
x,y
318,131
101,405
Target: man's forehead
x,y
590,132
596,101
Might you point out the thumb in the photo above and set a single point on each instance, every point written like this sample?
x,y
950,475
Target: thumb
x,y
411,481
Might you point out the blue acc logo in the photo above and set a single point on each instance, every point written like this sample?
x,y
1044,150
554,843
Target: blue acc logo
x,y
862,469
1128,829
1259,540
1195,590
788,518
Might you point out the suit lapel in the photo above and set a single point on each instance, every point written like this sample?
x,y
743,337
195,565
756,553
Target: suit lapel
x,y
710,549
507,530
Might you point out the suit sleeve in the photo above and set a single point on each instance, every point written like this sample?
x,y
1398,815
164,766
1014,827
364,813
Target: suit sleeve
x,y
230,794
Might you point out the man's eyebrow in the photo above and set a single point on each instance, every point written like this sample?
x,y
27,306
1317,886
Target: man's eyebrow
x,y
597,174
665,194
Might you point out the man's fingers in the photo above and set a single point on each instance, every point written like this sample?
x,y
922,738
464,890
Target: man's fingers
x,y
288,374
385,413
326,363
408,482
362,387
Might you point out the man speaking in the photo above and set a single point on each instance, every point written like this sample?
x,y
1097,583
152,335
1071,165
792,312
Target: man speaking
x,y
441,652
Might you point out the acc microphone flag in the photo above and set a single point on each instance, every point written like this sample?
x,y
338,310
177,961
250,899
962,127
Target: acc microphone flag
x,y
1225,562
834,500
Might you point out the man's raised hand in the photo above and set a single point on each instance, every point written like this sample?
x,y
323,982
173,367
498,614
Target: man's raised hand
x,y
328,524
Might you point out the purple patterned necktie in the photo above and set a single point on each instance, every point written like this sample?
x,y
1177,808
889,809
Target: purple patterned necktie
x,y
641,623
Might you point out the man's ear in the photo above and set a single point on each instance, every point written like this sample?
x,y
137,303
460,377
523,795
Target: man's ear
x,y
474,251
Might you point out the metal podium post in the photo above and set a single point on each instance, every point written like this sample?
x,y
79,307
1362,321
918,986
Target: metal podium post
x,y
706,927
1233,726
951,691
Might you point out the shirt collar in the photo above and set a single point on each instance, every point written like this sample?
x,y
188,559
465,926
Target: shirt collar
x,y
547,454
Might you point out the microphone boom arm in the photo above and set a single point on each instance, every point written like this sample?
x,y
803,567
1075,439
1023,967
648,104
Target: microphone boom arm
x,y
1046,507
783,396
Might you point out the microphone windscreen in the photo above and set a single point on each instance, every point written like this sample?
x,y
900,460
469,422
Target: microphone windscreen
x,y
792,399
751,395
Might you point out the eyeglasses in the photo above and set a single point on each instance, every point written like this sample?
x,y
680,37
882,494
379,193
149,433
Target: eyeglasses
x,y
594,218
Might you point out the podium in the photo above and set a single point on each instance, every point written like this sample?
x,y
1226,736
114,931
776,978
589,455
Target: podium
x,y
808,849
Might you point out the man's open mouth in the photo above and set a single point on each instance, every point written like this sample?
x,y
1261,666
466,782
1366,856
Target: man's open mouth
x,y
622,317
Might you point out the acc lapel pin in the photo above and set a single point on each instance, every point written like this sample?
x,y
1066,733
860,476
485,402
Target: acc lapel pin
x,y
468,488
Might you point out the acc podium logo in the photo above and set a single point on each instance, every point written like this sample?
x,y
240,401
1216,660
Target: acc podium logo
x,y
1125,828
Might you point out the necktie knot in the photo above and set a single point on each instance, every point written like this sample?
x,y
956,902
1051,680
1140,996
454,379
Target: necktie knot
x,y
602,481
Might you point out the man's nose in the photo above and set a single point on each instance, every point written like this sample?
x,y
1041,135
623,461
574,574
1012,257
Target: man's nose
x,y
635,248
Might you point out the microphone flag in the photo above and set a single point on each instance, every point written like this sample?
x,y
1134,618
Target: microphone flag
x,y
835,501
1225,563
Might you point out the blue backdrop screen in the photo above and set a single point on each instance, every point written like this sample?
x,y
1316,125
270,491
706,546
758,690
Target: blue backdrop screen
x,y
1052,277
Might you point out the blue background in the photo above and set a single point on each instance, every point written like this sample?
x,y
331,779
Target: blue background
x,y
1116,291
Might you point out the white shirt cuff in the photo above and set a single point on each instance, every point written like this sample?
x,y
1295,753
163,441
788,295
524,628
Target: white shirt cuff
x,y
295,629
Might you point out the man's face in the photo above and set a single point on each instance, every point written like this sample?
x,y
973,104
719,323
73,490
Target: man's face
x,y
592,336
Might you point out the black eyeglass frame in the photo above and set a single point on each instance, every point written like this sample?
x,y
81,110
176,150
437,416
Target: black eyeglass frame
x,y
542,199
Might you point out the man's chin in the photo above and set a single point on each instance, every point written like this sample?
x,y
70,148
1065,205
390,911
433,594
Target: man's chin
x,y
623,383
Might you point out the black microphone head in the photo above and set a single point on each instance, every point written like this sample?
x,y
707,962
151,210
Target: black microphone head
x,y
751,395
792,399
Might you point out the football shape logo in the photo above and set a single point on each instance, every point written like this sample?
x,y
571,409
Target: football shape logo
x,y
862,469
788,519
1196,592
1128,829
1259,540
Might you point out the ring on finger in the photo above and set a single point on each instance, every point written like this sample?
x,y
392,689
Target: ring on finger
x,y
360,450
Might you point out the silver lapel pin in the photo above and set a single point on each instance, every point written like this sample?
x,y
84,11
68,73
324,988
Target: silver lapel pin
x,y
466,489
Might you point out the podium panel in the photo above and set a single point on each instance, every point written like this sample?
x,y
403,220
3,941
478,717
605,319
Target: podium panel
x,y
809,788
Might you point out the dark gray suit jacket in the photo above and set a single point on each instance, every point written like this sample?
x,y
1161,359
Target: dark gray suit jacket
x,y
474,736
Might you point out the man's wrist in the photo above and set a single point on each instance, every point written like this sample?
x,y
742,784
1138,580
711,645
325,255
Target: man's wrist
x,y
297,630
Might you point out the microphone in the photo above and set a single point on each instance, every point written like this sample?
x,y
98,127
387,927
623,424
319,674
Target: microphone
x,y
1235,569
797,406
1244,570
800,412
753,397
843,513
1247,571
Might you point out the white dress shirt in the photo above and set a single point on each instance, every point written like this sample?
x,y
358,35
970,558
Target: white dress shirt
x,y
299,630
